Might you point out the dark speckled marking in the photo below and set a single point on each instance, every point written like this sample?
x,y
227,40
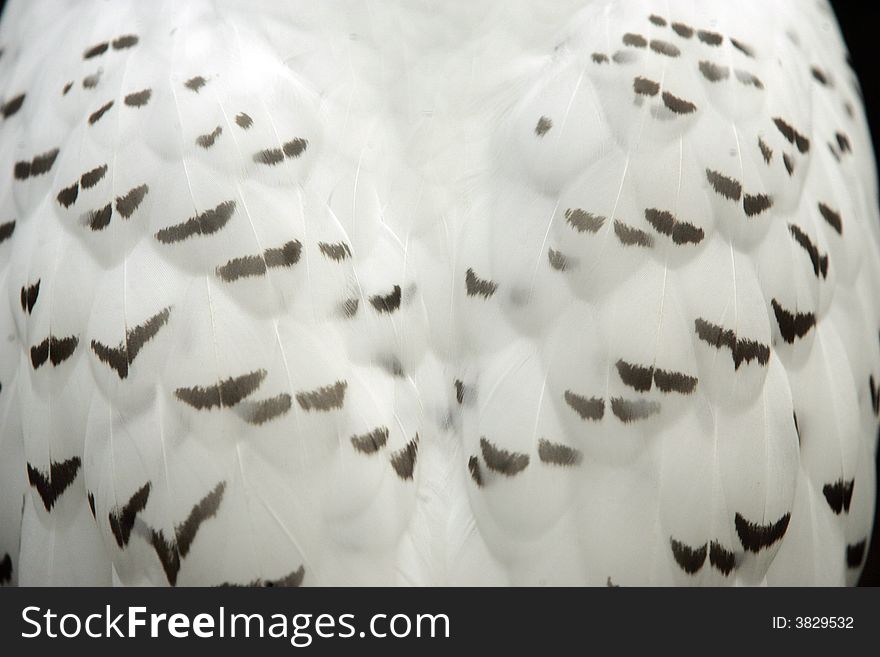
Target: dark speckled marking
x,y
67,196
558,260
749,79
659,21
95,116
726,187
326,398
792,326
91,178
678,105
766,151
12,105
682,30
195,83
630,236
337,251
792,135
664,48
714,72
98,219
502,461
97,49
543,126
588,408
745,49
819,75
710,38
207,140
256,265
138,98
67,87
634,40
632,410
243,120
391,365
755,537
583,221
855,554
206,223
623,57
741,349
284,256
6,230
477,286
599,58
754,204
386,303
40,354
839,495
264,410
30,294
404,460
39,165
372,441
843,142
270,156
667,381
228,392
295,147
125,41
832,217
645,87
689,559
789,164
557,454
474,469
721,559
666,224
349,307
637,377
127,204
91,81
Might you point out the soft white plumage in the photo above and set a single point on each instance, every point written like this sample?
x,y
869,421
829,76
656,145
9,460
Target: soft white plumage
x,y
435,293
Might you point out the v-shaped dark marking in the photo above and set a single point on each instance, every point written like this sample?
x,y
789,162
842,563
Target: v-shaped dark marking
x,y
839,495
792,325
60,476
387,303
121,357
689,559
122,520
170,552
55,350
29,294
755,537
